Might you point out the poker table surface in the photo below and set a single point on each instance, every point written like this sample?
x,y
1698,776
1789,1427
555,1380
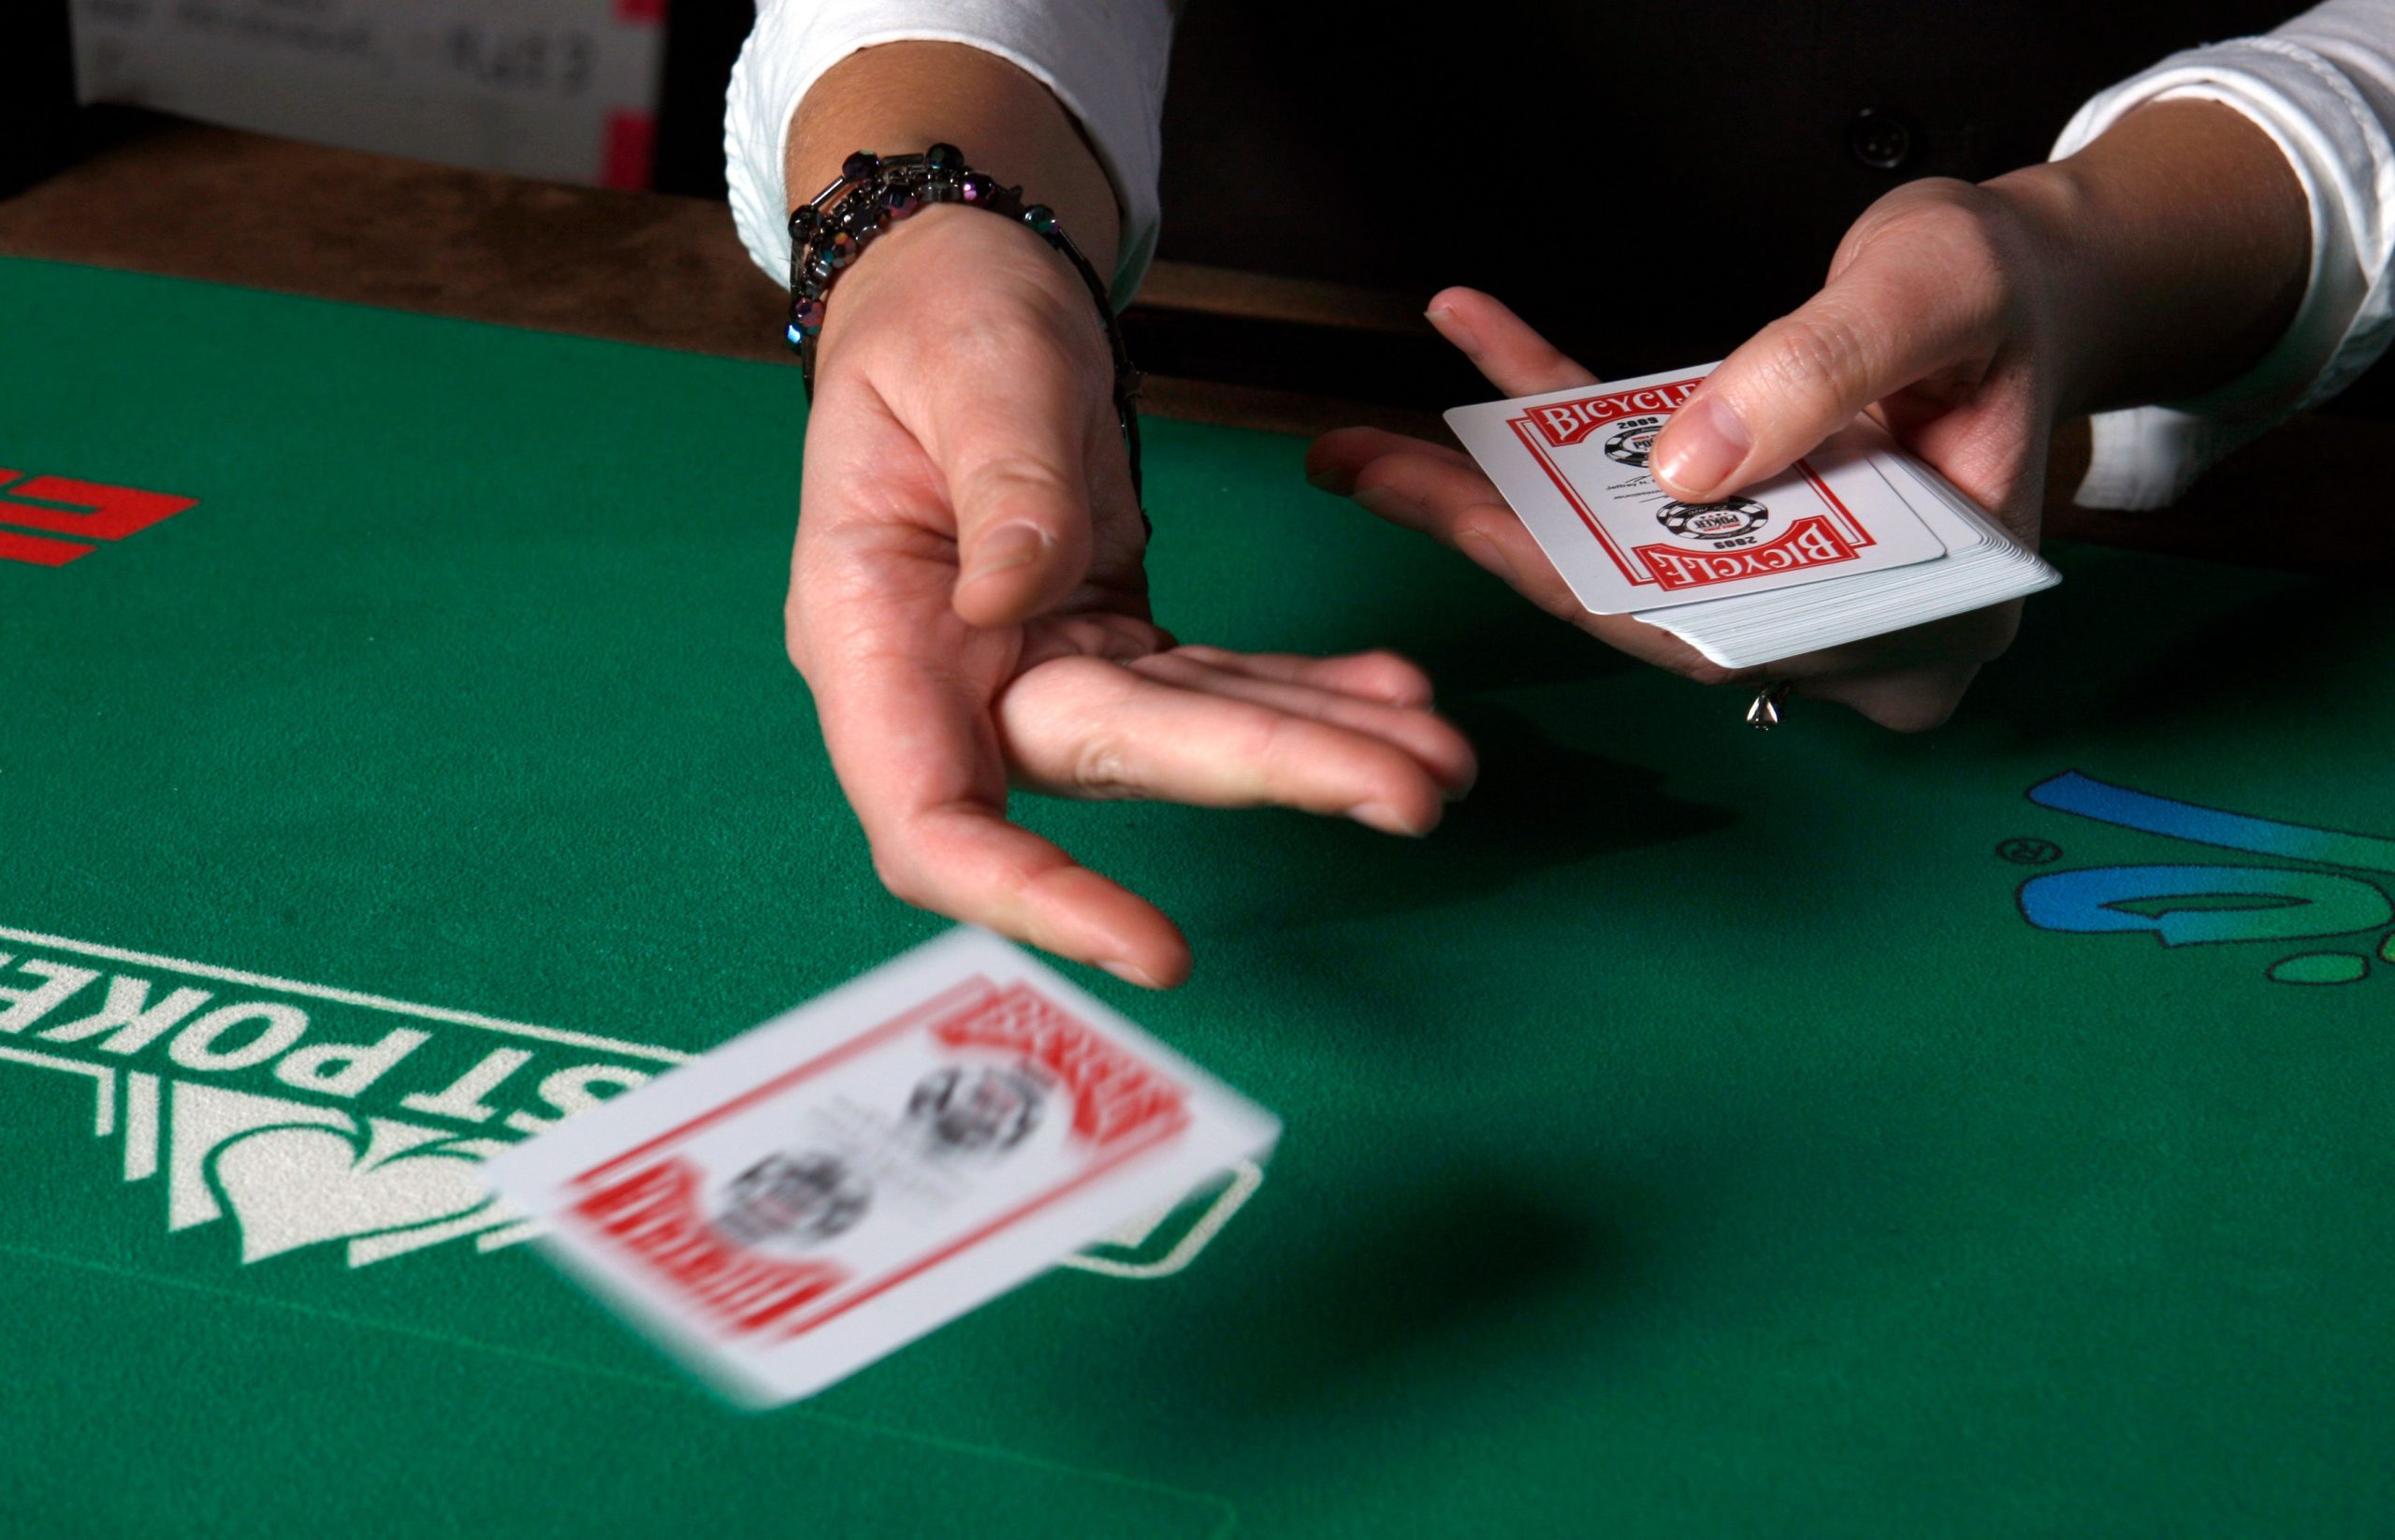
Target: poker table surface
x,y
1702,1132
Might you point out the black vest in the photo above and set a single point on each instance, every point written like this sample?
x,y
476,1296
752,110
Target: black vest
x,y
1647,183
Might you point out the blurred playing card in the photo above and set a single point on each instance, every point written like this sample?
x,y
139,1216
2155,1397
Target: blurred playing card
x,y
819,1191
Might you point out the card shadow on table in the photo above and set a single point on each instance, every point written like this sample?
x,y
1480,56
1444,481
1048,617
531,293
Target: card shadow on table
x,y
1407,1270
1529,1270
1540,1258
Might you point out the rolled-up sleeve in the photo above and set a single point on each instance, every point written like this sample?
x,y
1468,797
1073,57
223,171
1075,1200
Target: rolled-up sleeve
x,y
2323,88
1104,59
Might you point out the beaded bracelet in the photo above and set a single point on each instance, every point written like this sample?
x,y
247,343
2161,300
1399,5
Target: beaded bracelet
x,y
874,192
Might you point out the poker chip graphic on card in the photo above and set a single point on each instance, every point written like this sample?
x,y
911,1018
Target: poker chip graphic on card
x,y
985,1111
1731,521
1629,444
794,1200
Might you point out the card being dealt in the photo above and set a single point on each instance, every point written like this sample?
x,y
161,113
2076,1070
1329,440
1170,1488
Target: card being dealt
x,y
1572,463
819,1191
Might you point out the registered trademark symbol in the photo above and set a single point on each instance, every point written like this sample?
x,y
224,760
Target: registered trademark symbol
x,y
2024,851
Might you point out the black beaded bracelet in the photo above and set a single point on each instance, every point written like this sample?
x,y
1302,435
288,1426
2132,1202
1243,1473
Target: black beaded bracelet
x,y
871,193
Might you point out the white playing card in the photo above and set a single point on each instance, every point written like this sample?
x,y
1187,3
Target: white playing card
x,y
1572,463
819,1191
1984,565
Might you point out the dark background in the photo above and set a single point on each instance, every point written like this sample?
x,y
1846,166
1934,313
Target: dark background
x,y
37,106
1647,183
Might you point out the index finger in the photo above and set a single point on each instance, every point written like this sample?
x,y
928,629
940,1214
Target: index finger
x,y
911,742
1506,349
902,689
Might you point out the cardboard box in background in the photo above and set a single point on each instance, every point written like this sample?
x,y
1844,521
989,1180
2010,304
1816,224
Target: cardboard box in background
x,y
565,90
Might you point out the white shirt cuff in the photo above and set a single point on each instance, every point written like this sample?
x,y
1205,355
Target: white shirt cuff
x,y
1105,60
2323,87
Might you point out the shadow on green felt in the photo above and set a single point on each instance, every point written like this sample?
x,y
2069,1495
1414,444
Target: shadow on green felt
x,y
2171,645
1541,804
2130,643
1488,1277
1315,904
1408,1271
1471,1250
1477,635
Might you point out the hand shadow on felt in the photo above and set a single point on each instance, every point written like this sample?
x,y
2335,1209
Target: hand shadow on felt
x,y
1482,635
1539,804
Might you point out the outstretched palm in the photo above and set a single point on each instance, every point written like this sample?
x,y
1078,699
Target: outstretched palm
x,y
969,604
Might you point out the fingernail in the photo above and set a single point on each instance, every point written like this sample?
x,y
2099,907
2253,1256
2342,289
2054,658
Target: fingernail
x,y
1000,549
1386,505
1484,551
1130,974
1452,329
1387,819
1706,443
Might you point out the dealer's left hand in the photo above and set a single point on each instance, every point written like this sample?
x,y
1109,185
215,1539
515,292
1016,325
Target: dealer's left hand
x,y
1936,318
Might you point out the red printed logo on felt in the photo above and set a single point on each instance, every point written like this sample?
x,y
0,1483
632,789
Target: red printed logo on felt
x,y
85,510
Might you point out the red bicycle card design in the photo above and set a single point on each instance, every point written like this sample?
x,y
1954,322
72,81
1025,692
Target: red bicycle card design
x,y
1574,465
816,1193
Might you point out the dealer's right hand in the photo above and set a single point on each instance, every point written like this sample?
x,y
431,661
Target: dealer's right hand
x,y
969,604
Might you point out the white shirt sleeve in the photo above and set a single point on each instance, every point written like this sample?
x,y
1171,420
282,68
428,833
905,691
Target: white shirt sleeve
x,y
1104,59
2323,87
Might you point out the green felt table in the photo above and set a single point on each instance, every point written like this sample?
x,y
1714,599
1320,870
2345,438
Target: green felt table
x,y
1702,1133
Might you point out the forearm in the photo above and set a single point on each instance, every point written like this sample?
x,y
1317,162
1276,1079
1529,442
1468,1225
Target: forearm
x,y
2181,242
901,98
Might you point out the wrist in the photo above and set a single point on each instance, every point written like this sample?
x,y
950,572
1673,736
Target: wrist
x,y
2060,279
916,276
2176,249
900,98
874,195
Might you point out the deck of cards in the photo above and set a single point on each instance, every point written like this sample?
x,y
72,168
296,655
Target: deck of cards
x,y
1854,539
823,1189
